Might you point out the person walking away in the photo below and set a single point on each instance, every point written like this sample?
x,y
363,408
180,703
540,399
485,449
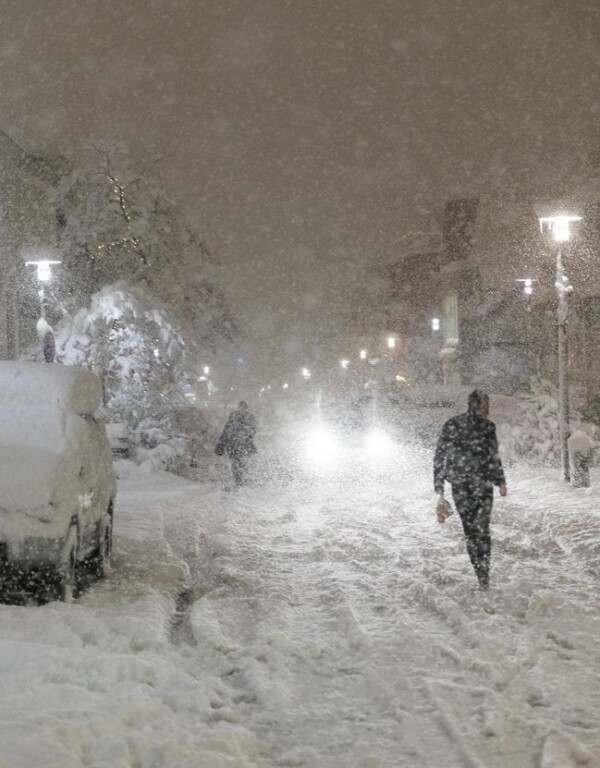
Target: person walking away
x,y
467,457
237,441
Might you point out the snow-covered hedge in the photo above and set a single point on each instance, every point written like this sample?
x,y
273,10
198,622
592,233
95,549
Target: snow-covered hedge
x,y
528,425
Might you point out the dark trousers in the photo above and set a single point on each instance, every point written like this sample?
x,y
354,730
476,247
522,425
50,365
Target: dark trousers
x,y
239,467
474,505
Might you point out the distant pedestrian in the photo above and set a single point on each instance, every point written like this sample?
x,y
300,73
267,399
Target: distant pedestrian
x,y
237,441
467,457
46,336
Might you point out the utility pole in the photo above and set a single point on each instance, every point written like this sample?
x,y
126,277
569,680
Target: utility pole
x,y
559,225
562,316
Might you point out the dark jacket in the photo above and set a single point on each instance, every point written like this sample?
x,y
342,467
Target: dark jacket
x,y
467,451
237,437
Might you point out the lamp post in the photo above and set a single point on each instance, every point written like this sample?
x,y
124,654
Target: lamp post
x,y
41,259
44,275
559,226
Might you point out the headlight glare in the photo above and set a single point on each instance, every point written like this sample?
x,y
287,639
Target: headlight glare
x,y
321,448
378,444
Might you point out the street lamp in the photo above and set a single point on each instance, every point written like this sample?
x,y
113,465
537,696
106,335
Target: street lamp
x,y
435,323
560,227
344,363
43,259
44,275
363,354
391,342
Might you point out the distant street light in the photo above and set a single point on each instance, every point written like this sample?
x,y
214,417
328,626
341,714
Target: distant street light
x,y
344,363
559,226
363,354
391,342
306,374
527,284
435,323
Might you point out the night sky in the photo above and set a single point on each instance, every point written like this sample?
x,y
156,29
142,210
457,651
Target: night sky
x,y
304,136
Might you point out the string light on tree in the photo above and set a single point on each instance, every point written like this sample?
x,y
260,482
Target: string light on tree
x,y
129,242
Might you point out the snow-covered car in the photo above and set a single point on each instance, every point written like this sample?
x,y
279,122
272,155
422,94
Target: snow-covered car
x,y
56,475
119,439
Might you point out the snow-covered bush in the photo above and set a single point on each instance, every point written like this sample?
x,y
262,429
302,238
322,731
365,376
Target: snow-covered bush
x,y
529,426
141,358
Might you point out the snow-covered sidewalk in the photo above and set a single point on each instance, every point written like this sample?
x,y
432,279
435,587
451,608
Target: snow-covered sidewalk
x,y
316,625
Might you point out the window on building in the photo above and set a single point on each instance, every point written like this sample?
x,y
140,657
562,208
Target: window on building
x,y
450,324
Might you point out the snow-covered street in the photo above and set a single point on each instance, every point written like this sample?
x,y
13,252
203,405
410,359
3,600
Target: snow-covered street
x,y
300,384
316,625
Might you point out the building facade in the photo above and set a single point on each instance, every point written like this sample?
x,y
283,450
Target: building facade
x,y
471,273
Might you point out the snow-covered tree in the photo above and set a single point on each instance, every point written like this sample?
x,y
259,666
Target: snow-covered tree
x,y
120,227
133,345
136,298
142,360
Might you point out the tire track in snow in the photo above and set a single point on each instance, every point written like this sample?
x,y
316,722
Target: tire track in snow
x,y
323,571
319,578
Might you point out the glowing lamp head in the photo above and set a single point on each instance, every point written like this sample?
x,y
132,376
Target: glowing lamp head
x,y
344,363
44,273
43,269
363,354
391,342
559,225
435,323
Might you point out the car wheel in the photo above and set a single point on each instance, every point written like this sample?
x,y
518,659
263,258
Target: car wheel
x,y
107,545
67,569
100,559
